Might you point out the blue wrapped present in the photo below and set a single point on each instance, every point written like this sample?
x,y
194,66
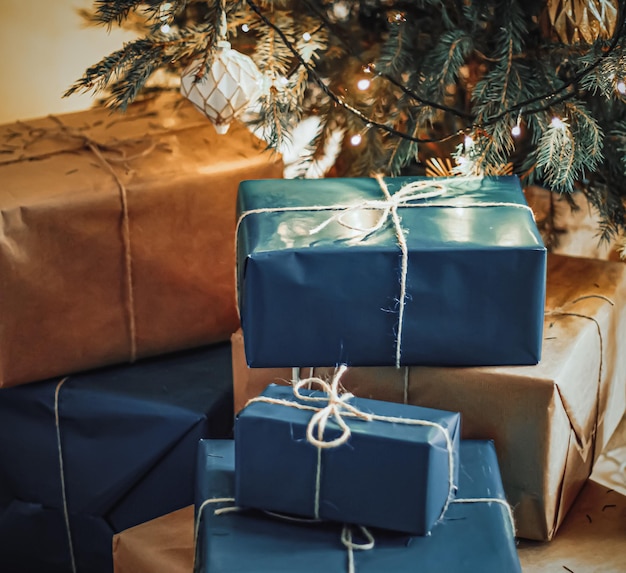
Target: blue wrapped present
x,y
475,534
122,451
375,272
373,463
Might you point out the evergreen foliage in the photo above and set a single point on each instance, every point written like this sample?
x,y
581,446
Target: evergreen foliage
x,y
440,71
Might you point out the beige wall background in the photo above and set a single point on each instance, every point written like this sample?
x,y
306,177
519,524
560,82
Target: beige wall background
x,y
45,48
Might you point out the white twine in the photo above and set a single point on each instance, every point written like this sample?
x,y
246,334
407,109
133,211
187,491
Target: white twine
x,y
66,513
497,500
337,407
410,195
346,531
561,311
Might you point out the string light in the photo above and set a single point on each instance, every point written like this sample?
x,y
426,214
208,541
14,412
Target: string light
x,y
306,37
621,87
363,84
245,28
516,130
557,123
356,139
165,29
468,142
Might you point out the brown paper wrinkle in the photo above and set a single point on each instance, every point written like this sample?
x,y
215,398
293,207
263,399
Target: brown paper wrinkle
x,y
66,197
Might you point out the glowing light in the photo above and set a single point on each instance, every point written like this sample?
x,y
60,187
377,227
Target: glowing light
x,y
621,87
363,84
367,69
245,28
516,131
468,142
165,28
557,123
306,36
283,81
356,139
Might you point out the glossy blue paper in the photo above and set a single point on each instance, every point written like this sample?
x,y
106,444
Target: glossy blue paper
x,y
473,537
129,439
475,276
388,475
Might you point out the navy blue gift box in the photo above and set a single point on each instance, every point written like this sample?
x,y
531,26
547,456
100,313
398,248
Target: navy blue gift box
x,y
123,452
320,268
474,536
397,470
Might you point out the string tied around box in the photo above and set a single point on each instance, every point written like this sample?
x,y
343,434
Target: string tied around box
x,y
563,311
66,513
347,530
414,194
333,404
346,537
107,156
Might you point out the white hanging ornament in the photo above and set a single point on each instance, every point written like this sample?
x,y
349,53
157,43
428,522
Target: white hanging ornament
x,y
230,85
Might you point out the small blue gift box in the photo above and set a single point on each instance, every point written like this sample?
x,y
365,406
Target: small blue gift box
x,y
396,470
474,536
97,453
323,278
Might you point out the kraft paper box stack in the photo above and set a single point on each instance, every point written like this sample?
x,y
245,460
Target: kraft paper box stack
x,y
117,235
549,421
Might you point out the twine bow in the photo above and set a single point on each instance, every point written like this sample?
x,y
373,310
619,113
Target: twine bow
x,y
411,195
336,403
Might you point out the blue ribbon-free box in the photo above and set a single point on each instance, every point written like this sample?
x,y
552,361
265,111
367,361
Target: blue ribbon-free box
x,y
397,470
321,269
123,452
473,535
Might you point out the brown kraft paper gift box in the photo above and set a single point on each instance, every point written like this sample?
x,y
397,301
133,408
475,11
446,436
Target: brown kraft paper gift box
x,y
117,235
548,421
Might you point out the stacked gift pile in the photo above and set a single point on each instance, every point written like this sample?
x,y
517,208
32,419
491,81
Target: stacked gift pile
x,y
116,244
367,272
433,293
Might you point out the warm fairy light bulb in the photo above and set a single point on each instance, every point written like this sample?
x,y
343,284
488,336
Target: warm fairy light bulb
x,y
557,123
245,28
356,139
363,84
165,28
516,130
306,36
468,141
621,87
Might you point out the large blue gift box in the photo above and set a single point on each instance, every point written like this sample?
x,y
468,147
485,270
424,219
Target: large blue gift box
x,y
321,267
474,536
395,471
113,448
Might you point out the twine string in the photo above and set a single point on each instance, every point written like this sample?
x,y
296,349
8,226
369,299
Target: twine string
x,y
346,537
562,311
98,152
66,513
411,195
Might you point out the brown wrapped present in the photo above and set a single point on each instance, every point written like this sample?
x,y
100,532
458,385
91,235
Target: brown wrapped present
x,y
117,235
546,420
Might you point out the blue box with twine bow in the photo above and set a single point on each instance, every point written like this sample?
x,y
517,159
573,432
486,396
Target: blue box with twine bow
x,y
323,455
475,534
389,271
96,453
